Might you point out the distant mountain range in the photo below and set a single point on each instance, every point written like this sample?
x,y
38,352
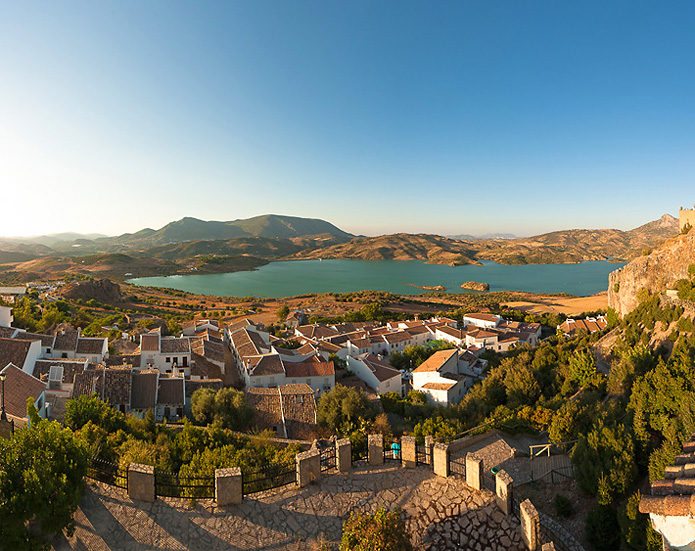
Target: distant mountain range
x,y
193,245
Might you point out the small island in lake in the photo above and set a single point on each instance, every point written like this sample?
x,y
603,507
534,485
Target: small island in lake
x,y
426,287
475,286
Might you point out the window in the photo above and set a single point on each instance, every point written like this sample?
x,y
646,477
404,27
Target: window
x,y
168,359
48,350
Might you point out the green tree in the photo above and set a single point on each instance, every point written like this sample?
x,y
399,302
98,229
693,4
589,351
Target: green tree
x,y
231,410
80,411
382,531
283,312
42,471
342,409
606,451
635,528
203,405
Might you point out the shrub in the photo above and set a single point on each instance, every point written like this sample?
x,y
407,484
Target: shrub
x,y
563,506
601,528
383,531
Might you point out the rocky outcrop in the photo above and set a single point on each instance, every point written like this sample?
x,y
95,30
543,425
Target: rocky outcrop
x,y
655,272
101,290
475,286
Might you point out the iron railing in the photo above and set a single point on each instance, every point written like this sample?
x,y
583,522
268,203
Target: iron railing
x,y
422,457
175,485
328,459
489,481
457,465
268,477
108,473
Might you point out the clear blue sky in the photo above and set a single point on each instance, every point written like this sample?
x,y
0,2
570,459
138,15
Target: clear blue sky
x,y
444,117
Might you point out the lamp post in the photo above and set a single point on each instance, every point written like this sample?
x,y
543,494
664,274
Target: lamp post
x,y
3,415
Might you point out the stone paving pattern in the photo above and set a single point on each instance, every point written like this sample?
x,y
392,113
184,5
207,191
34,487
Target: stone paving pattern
x,y
440,513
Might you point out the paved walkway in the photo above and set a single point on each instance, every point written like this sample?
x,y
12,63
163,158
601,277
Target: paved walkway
x,y
440,514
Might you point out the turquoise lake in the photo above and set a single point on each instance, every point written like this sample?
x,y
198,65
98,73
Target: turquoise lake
x,y
283,279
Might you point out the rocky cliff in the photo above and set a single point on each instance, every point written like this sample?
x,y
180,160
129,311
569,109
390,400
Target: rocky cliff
x,y
655,272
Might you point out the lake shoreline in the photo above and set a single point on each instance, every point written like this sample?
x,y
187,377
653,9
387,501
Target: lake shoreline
x,y
290,278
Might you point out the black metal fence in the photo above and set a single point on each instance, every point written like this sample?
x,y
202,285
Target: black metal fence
x,y
392,450
457,465
489,480
108,473
271,476
328,459
422,457
174,485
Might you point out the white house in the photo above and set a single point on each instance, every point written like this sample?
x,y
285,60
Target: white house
x,y
447,333
442,378
22,354
484,321
19,386
6,317
376,373
166,354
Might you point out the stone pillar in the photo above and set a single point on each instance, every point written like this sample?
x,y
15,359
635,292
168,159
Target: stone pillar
x,y
408,452
308,467
548,547
141,482
375,449
440,456
530,525
474,471
228,486
503,491
343,455
429,444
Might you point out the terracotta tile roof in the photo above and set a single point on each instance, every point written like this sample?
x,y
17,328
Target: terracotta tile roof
x,y
194,384
309,368
170,345
361,343
90,345
435,361
46,340
19,386
117,385
267,407
299,410
149,342
438,386
7,332
456,333
400,336
170,391
309,348
201,367
590,325
674,496
483,334
144,389
66,340
71,367
382,370
482,317
239,325
317,331
123,359
14,351
329,347
267,364
89,381
418,330
211,350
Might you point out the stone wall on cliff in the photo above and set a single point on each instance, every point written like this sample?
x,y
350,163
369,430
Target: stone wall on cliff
x,y
655,272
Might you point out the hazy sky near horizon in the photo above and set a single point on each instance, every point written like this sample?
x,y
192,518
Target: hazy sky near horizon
x,y
448,117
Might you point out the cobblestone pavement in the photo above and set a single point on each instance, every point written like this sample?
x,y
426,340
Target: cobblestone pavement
x,y
440,513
